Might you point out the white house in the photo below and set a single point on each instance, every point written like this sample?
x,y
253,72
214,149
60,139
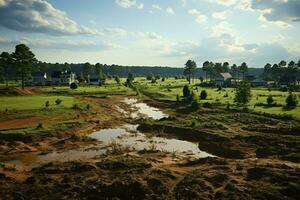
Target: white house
x,y
62,78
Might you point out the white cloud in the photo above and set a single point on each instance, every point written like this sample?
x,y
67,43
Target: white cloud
x,y
148,35
221,15
39,16
156,7
126,3
227,2
114,32
170,11
199,18
130,4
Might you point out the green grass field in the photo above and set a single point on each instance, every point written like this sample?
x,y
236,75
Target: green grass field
x,y
34,102
110,88
169,89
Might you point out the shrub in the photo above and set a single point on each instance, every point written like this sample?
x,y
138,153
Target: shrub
x,y
186,91
226,95
195,105
163,79
58,101
47,104
203,94
75,106
73,86
219,88
153,80
207,105
149,78
39,126
243,93
117,79
88,106
177,98
270,100
291,101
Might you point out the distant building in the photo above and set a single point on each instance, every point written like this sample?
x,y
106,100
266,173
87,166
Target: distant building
x,y
259,82
223,79
62,78
38,79
94,80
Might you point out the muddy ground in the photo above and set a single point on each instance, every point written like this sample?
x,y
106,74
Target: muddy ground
x,y
257,158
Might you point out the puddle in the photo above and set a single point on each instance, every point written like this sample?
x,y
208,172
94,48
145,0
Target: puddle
x,y
144,110
126,136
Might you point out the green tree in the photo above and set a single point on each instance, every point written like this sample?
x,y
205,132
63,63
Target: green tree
x,y
205,69
234,69
87,71
270,100
203,95
24,60
186,91
291,101
117,79
243,69
189,69
5,65
243,93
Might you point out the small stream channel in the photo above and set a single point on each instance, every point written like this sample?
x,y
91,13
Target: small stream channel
x,y
125,136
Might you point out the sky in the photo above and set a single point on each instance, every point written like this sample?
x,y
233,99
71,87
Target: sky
x,y
153,32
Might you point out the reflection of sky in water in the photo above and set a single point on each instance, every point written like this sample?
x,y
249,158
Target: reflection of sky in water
x,y
144,109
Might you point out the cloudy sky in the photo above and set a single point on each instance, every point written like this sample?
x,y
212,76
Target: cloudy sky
x,y
153,32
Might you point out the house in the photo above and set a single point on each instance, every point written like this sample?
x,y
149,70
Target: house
x,y
38,79
62,78
94,80
223,79
259,82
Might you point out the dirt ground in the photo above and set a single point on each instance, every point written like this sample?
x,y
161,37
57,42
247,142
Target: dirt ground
x,y
237,174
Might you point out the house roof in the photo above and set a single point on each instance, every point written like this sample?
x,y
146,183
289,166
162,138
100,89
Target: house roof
x,y
226,75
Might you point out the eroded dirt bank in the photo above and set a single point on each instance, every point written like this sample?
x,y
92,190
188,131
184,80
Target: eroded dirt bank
x,y
251,164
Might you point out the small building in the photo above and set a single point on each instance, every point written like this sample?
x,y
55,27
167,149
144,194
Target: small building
x,y
38,79
94,80
223,79
259,82
62,78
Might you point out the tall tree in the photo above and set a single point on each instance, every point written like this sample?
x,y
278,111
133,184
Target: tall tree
x,y
5,64
244,69
282,63
24,60
267,75
234,69
243,93
87,71
189,69
225,67
205,69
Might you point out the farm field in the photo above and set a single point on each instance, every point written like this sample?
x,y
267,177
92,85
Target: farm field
x,y
170,88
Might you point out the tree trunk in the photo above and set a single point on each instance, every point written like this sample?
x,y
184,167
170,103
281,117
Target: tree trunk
x,y
189,78
22,81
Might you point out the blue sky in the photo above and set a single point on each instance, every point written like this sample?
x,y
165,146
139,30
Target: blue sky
x,y
153,32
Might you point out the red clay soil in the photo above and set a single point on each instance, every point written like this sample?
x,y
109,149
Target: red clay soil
x,y
22,122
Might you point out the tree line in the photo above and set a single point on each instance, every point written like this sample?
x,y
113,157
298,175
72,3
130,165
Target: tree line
x,y
282,72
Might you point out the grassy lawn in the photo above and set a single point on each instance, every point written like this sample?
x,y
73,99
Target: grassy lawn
x,y
34,102
110,88
170,88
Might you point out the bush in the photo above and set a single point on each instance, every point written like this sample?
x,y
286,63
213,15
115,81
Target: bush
x,y
186,91
243,93
203,94
117,79
88,106
73,86
47,104
163,79
177,98
149,78
58,101
291,101
39,126
153,80
195,105
207,105
75,106
270,100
